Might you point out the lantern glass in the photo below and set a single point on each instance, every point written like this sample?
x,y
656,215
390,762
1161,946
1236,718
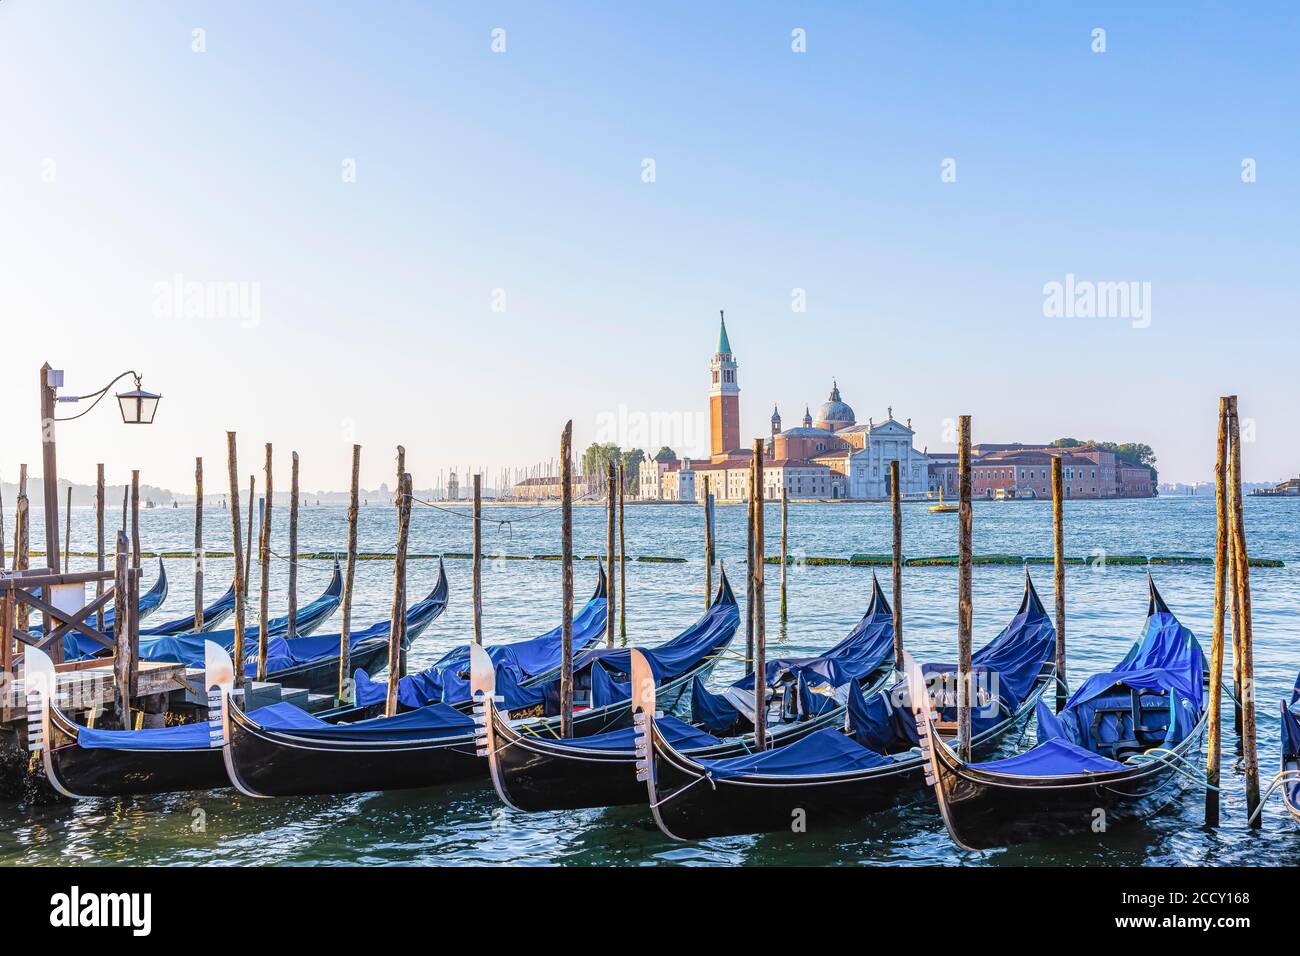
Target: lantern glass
x,y
138,406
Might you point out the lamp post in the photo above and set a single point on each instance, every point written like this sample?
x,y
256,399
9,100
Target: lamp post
x,y
137,407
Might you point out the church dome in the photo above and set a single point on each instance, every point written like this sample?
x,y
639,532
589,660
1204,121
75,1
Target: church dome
x,y
833,413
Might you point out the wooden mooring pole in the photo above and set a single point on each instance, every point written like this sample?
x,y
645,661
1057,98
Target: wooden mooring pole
x,y
708,544
611,552
896,504
401,473
1235,614
198,545
22,550
237,551
1245,630
67,530
1058,577
757,608
964,608
135,519
99,540
478,559
349,574
121,632
622,562
566,580
264,565
1214,746
749,572
785,543
293,545
397,626
248,545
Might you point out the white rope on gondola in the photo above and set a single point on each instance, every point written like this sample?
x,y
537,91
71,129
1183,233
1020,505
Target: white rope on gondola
x,y
1277,781
678,792
1175,761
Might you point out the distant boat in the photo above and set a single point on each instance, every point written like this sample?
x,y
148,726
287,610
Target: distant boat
x,y
942,508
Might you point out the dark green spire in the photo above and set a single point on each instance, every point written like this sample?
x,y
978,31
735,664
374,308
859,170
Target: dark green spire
x,y
724,346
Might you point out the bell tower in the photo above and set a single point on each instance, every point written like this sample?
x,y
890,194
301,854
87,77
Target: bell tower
x,y
724,398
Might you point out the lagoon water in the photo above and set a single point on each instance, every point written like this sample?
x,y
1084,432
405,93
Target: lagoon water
x,y
469,825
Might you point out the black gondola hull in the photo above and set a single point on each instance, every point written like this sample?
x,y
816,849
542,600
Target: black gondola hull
x,y
106,772
535,774
694,810
265,763
687,806
986,810
116,773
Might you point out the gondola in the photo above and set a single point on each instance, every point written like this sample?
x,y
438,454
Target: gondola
x,y
312,663
836,775
80,761
188,648
92,762
446,680
1290,780
1126,744
433,744
535,771
76,645
213,616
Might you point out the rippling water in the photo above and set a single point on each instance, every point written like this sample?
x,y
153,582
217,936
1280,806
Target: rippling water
x,y
467,824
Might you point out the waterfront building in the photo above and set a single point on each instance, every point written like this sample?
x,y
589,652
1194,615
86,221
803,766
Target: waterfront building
x,y
650,475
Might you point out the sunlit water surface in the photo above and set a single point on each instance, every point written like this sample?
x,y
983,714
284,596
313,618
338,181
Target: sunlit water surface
x,y
468,824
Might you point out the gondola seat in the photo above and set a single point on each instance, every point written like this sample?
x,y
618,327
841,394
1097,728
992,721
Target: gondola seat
x,y
1128,721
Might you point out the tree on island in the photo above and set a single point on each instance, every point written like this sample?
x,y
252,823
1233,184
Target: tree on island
x,y
1133,453
596,459
632,471
665,454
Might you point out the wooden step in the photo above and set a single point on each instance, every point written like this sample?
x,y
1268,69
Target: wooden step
x,y
318,702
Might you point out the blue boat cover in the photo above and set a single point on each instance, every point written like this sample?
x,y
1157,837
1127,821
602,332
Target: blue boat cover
x,y
605,690
674,657
283,653
423,723
1050,759
712,711
187,649
864,650
826,751
1154,698
212,615
678,733
434,721
179,737
1291,726
1291,742
77,646
447,679
1011,663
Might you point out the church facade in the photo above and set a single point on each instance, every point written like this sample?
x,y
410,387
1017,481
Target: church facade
x,y
828,456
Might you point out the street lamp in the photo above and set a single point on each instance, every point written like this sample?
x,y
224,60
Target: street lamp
x,y
138,408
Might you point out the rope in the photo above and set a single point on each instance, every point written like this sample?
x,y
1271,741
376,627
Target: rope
x,y
1278,780
506,524
677,793
1163,755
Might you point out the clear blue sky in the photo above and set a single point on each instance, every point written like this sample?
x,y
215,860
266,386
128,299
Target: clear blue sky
x,y
522,171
